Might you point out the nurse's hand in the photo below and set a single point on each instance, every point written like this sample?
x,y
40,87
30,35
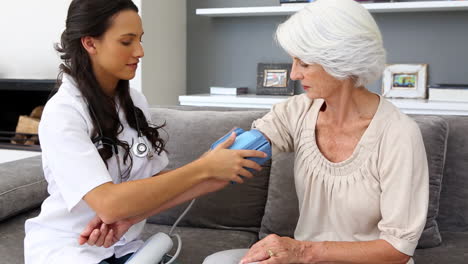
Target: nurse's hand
x,y
227,164
99,234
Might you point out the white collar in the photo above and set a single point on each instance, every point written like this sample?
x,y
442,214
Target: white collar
x,y
69,84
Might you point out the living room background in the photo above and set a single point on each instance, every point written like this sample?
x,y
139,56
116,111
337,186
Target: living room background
x,y
226,50
187,53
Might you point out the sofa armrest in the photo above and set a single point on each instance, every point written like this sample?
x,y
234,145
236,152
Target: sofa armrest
x,y
22,186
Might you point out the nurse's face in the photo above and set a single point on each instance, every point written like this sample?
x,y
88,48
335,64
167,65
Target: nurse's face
x,y
118,51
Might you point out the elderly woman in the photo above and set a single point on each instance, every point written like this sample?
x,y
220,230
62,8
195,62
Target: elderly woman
x,y
361,172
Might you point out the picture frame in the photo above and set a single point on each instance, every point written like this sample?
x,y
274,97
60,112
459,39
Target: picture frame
x,y
405,81
274,79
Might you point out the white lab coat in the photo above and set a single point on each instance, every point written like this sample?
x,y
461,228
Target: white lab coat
x,y
72,167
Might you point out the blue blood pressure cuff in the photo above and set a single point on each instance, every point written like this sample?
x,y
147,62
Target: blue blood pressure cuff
x,y
252,139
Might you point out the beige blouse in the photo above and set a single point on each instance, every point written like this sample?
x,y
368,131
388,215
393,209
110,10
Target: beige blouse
x,y
380,192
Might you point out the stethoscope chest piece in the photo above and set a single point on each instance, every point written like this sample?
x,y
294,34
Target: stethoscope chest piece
x,y
140,149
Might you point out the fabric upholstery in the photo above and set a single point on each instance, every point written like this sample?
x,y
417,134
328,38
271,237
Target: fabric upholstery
x,y
238,206
282,207
453,215
201,242
22,186
281,211
434,131
454,249
198,243
12,237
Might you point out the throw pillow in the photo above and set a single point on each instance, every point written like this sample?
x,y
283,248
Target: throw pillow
x,y
453,209
434,131
282,207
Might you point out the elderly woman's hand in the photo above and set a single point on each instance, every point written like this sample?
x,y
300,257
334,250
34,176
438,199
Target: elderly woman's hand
x,y
274,249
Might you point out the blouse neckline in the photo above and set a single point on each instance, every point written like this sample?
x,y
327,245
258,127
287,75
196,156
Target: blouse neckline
x,y
365,144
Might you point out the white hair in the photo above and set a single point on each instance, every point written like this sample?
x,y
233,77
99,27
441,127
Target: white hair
x,y
339,35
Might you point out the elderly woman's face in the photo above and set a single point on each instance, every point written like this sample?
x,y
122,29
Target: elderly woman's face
x,y
316,82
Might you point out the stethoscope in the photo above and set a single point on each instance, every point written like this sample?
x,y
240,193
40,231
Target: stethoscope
x,y
139,149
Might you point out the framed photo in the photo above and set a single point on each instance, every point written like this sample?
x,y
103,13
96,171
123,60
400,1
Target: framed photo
x,y
274,79
405,81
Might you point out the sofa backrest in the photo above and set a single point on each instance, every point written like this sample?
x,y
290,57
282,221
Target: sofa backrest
x,y
183,121
189,133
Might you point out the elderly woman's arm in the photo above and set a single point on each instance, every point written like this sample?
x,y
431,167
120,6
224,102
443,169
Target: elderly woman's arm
x,y
377,251
275,250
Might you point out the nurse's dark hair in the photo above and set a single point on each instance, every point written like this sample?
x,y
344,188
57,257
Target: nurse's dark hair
x,y
93,18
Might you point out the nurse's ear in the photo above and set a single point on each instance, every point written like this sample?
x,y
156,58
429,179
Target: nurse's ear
x,y
89,44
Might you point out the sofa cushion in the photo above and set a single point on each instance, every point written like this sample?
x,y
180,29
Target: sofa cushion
x,y
12,237
22,186
281,211
198,243
190,134
453,250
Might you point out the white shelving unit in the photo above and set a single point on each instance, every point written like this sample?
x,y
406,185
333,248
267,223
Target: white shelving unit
x,y
426,107
242,101
408,106
422,6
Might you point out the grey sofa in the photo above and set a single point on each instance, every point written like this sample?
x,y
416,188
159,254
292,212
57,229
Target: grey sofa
x,y
237,216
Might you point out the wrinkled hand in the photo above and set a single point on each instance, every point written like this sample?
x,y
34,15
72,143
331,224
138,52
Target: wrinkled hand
x,y
284,250
227,164
99,234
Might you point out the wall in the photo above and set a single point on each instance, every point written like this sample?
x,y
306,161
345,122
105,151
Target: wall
x,y
29,29
225,51
136,82
165,42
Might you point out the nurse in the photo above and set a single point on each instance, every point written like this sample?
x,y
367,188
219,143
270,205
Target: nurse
x,y
99,150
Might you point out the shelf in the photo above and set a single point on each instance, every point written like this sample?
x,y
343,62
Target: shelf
x,y
408,106
423,6
242,101
426,107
